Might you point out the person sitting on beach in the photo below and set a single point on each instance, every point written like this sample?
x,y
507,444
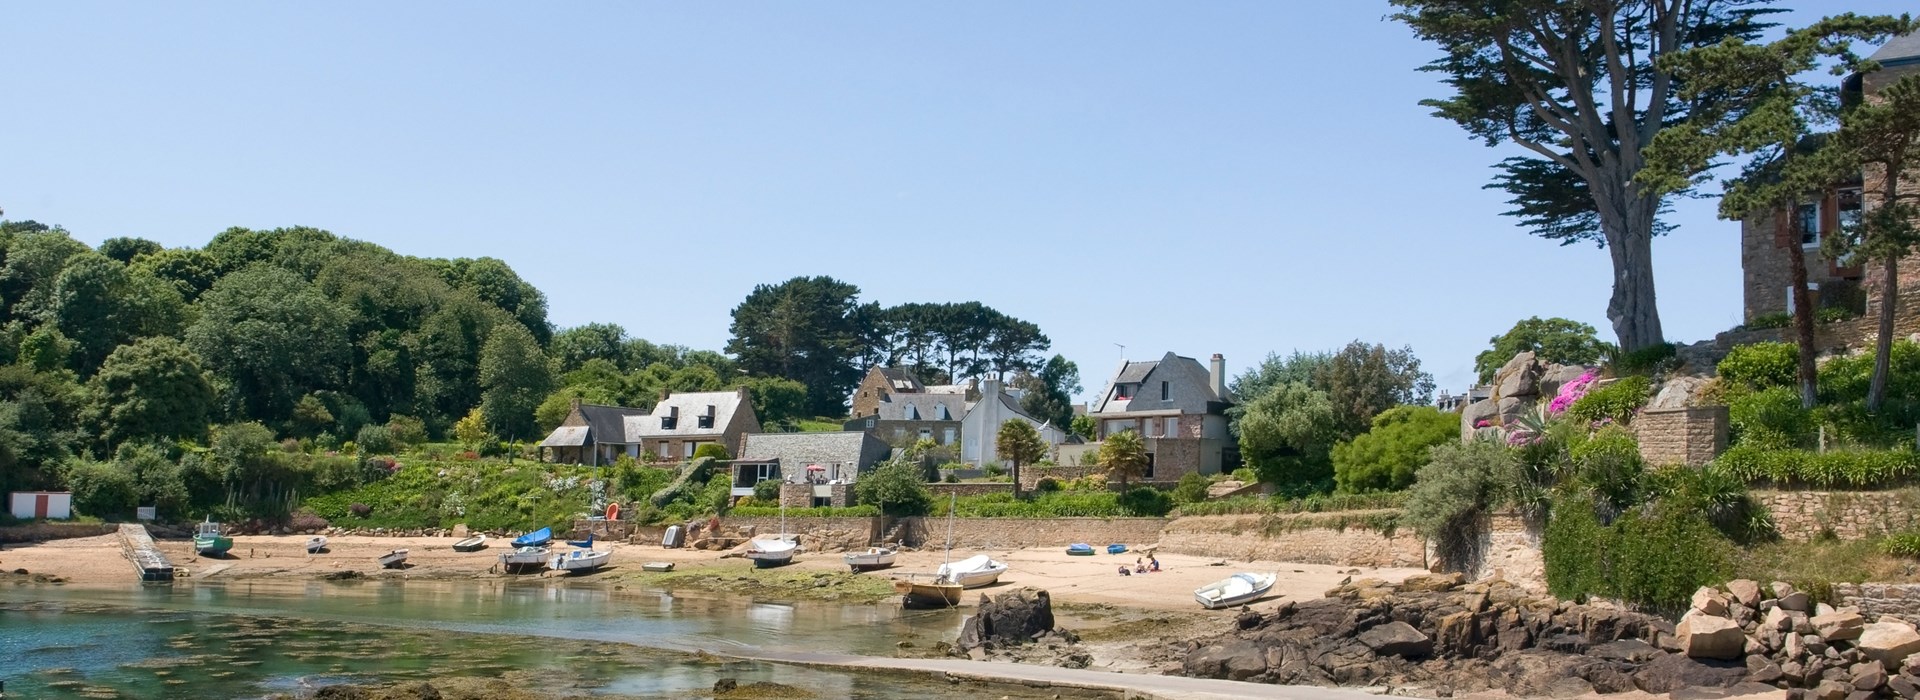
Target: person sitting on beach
x,y
1124,571
1141,569
1155,565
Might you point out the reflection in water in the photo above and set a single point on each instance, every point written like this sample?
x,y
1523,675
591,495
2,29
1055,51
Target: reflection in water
x,y
245,639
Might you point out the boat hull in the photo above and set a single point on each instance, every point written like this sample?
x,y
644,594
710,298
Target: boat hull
x,y
658,567
977,579
919,595
1079,550
871,560
471,544
525,558
537,538
1238,589
216,545
1116,549
393,559
768,560
316,544
575,562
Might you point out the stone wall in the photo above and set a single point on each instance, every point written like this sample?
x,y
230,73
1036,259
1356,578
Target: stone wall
x,y
1305,538
942,491
1689,436
816,534
1509,548
44,530
1009,533
1849,515
1901,600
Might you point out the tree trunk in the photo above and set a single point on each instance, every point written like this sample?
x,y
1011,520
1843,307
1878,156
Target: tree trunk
x,y
1016,479
1802,307
1626,221
1883,346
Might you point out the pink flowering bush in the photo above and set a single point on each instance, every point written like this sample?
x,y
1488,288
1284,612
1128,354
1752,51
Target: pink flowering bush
x,y
1571,392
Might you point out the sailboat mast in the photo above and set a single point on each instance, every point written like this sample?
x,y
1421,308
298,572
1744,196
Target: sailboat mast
x,y
952,506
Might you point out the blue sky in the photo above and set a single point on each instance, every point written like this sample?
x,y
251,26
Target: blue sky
x,y
1233,177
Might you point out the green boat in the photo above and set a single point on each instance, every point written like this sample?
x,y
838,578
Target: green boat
x,y
208,540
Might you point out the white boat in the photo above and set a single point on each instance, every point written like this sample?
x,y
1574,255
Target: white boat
x,y
317,543
1244,587
771,553
972,572
940,592
873,558
525,557
471,544
580,560
393,559
657,566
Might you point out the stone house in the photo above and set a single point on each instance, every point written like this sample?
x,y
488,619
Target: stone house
x,y
592,434
980,429
682,422
1765,236
905,418
1180,410
823,459
884,383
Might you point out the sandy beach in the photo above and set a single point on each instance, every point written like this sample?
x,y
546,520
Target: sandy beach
x,y
1079,581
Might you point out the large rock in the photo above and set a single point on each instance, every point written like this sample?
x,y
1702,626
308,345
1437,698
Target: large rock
x,y
1238,660
1431,582
1745,592
1889,642
1519,377
1705,636
1015,617
1795,601
1397,639
1838,626
1672,672
1777,619
1556,376
1709,601
1677,392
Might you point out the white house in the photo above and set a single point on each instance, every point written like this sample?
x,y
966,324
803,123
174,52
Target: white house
x,y
980,429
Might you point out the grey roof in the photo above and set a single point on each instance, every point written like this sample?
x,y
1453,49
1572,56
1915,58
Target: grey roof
x,y
1193,380
899,379
692,406
923,407
608,423
566,436
852,447
1135,372
1902,50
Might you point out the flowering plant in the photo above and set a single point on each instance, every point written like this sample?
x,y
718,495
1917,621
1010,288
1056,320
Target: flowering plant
x,y
1571,392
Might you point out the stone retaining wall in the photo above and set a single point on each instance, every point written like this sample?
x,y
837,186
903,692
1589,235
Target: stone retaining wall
x,y
1009,533
1295,538
1900,600
942,491
42,531
1689,436
1849,515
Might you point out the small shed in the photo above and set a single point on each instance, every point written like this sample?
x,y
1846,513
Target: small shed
x,y
37,505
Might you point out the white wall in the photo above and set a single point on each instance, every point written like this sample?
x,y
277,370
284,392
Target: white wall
x,y
59,504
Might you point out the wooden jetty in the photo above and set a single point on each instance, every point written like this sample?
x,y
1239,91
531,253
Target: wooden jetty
x,y
148,562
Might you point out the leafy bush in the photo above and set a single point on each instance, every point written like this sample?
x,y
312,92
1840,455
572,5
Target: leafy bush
x,y
1904,544
1834,314
1145,502
375,439
1655,559
1451,492
1246,475
1644,361
714,450
1761,365
1609,466
768,491
895,488
1856,469
1770,419
1045,484
1614,402
1386,457
1191,489
1765,321
407,431
100,489
994,469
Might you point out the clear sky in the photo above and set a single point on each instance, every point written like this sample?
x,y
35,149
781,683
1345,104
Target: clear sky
x,y
1233,177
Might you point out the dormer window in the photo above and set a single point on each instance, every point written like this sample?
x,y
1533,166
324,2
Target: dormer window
x,y
1165,394
672,419
1123,391
943,413
913,412
706,420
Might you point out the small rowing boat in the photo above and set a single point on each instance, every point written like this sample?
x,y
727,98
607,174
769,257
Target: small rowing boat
x,y
317,544
537,538
872,559
393,559
1244,587
1079,549
471,544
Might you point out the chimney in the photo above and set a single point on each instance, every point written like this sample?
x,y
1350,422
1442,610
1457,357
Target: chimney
x,y
1217,373
665,394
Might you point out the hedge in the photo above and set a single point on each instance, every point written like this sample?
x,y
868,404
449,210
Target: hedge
x,y
1859,469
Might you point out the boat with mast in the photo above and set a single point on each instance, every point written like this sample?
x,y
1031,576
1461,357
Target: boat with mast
x,y
767,554
939,592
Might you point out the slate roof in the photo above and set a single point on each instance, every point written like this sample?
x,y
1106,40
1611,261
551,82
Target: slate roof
x,y
692,406
1184,371
923,407
1902,50
900,380
566,436
608,423
1135,372
853,447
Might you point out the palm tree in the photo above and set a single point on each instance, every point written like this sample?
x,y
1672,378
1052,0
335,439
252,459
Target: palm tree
x,y
1124,456
1019,443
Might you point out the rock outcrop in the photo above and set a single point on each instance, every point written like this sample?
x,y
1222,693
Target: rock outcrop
x,y
1018,626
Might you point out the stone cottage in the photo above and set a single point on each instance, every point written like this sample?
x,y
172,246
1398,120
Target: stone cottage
x,y
682,422
1180,409
823,459
592,434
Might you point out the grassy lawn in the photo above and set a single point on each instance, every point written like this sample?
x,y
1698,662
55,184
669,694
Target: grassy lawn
x,y
1810,566
819,425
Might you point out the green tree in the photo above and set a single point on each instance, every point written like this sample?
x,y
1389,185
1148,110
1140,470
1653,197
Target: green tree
x,y
1755,102
1580,86
1020,443
125,250
1882,134
46,349
514,377
1085,426
493,282
190,272
1363,380
154,388
271,338
1298,367
39,412
1124,456
776,401
575,346
100,306
1286,434
34,259
1555,340
895,487
1387,457
804,329
1049,391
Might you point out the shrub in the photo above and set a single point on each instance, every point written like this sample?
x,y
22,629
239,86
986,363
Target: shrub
x,y
950,477
714,450
768,491
1453,490
1834,314
895,488
1770,419
1647,360
1246,475
375,439
1857,469
1145,502
1046,484
305,519
407,431
765,511
360,510
1386,457
100,489
1904,544
1614,402
1609,465
1764,321
1761,365
1654,559
1191,489
994,469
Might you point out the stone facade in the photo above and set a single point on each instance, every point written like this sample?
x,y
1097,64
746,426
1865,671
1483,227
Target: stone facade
x,y
816,534
804,495
1690,436
1848,515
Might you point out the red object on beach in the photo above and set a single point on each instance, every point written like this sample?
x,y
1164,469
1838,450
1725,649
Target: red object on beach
x,y
613,511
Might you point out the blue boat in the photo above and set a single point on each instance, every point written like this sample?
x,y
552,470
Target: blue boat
x,y
537,538
1116,549
1080,549
584,544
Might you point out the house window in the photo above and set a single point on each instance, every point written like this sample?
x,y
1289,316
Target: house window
x,y
690,447
913,412
1148,474
1165,395
1812,289
1115,426
946,436
667,422
1123,391
1808,217
926,433
1173,427
1851,207
666,449
706,421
